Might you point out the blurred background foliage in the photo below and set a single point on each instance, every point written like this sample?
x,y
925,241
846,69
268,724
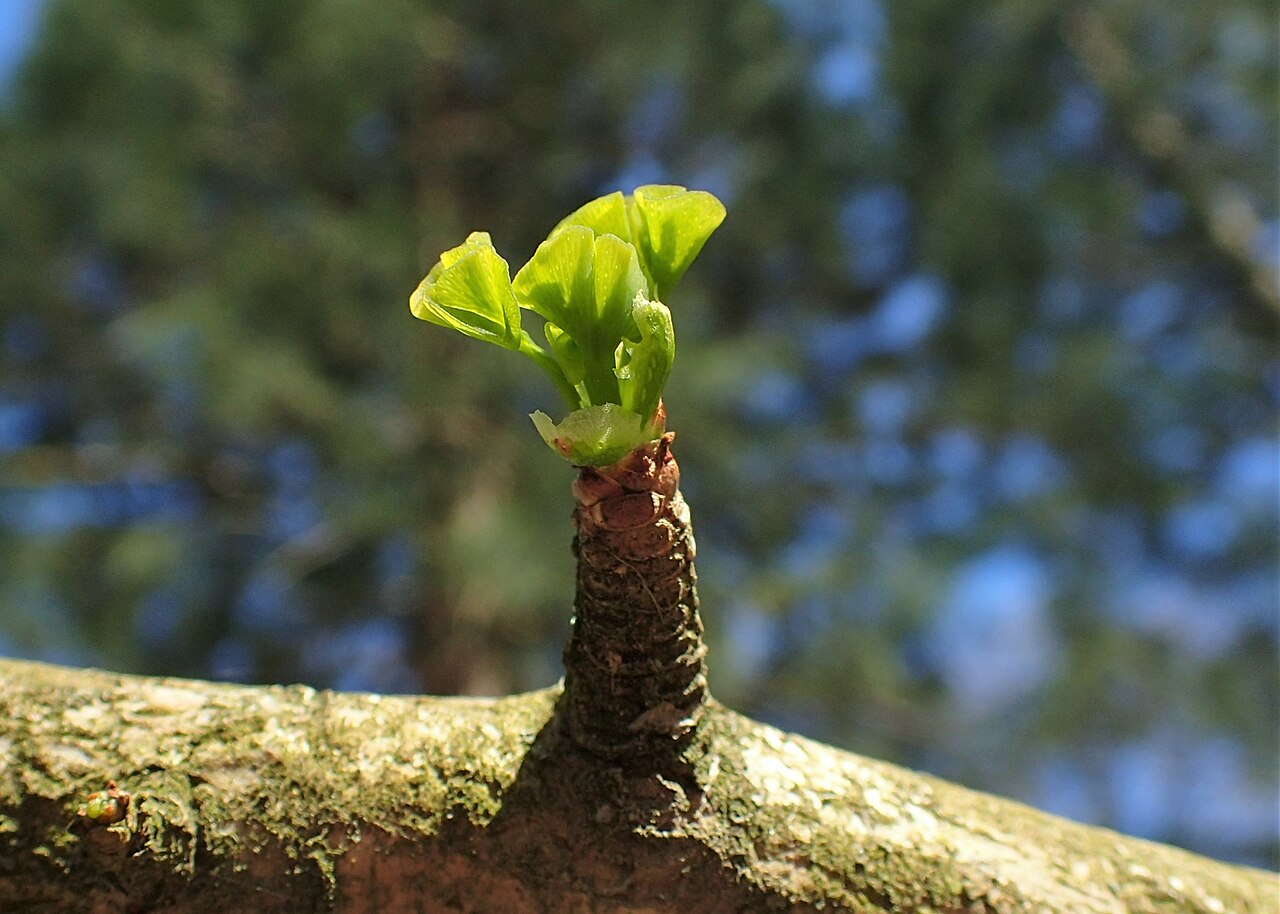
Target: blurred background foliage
x,y
975,397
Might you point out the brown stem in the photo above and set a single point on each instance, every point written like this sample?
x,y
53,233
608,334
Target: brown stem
x,y
635,682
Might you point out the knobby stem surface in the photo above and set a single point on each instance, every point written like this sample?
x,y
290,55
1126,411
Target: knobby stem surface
x,y
635,677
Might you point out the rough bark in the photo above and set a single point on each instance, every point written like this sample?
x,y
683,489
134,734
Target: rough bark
x,y
630,791
634,674
289,799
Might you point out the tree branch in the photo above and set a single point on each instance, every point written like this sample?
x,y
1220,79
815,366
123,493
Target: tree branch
x,y
290,799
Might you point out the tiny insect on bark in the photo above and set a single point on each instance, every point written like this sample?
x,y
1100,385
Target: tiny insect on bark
x,y
105,807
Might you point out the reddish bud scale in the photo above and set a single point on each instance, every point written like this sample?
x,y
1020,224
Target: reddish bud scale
x,y
634,675
105,807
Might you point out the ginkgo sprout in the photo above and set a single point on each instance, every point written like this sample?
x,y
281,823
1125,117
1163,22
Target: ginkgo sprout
x,y
599,283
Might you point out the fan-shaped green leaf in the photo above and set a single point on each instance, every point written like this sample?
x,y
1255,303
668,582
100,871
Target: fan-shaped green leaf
x,y
469,290
556,282
672,226
605,215
617,280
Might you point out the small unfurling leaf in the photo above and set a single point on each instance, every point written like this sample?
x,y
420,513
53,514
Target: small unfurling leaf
x,y
645,363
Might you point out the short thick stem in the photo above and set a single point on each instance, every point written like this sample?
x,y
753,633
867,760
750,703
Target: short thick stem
x,y
635,681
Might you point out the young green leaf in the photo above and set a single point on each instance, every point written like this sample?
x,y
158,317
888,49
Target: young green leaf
x,y
556,282
598,282
644,364
607,215
667,225
595,436
584,286
618,279
469,290
566,352
673,225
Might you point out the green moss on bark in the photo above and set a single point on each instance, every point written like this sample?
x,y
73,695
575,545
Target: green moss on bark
x,y
303,800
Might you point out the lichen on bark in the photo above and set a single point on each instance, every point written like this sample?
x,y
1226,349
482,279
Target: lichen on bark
x,y
295,800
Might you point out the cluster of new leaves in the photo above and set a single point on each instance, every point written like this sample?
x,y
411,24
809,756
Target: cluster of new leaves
x,y
598,282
